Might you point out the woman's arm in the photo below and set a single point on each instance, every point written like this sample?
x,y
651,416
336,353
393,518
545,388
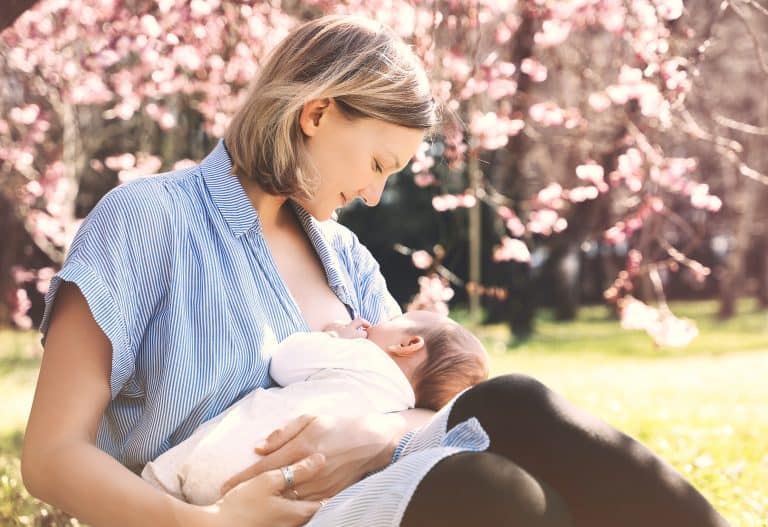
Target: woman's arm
x,y
352,446
62,465
60,461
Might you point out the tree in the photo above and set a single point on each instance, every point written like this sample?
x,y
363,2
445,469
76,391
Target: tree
x,y
566,113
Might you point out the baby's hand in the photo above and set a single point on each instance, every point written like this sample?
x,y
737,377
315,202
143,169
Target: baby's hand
x,y
355,329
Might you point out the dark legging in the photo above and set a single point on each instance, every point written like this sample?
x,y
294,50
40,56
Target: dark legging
x,y
551,464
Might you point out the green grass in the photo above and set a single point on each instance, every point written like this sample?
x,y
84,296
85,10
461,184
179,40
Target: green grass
x,y
702,408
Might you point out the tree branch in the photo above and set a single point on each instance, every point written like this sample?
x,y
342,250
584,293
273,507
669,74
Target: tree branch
x,y
738,125
753,36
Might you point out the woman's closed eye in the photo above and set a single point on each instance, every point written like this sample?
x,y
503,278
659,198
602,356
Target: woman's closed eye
x,y
378,167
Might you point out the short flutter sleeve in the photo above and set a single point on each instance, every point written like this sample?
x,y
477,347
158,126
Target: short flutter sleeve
x,y
120,259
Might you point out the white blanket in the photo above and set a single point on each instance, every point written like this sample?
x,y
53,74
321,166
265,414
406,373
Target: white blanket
x,y
318,374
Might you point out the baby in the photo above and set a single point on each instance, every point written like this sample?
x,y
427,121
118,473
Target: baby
x,y
418,359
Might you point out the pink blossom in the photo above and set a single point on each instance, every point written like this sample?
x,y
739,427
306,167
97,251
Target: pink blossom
x,y
499,88
44,276
617,93
636,314
21,275
505,212
615,234
507,69
553,33
534,69
502,34
674,77
550,195
547,113
434,293
612,15
120,162
25,115
439,204
579,194
421,259
457,67
150,26
545,222
714,204
187,57
184,163
593,173
599,101
145,165
201,8
670,331
669,9
424,179
511,249
515,226
22,306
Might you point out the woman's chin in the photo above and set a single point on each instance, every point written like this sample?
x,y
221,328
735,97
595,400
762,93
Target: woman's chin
x,y
321,213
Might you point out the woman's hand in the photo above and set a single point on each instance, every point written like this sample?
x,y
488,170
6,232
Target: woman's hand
x,y
259,501
352,446
356,329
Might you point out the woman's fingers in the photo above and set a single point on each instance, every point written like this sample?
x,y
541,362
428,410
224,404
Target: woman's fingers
x,y
282,435
298,510
302,471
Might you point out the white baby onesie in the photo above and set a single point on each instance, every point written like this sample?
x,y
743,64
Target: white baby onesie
x,y
318,374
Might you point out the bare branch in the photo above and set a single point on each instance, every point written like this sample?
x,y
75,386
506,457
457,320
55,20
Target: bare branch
x,y
753,36
753,174
738,125
731,149
757,6
693,128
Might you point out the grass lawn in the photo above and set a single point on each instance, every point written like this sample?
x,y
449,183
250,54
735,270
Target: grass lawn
x,y
702,408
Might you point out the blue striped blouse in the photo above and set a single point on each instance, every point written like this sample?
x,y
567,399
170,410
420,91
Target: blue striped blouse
x,y
179,277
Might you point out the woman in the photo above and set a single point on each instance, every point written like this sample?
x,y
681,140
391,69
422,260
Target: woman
x,y
176,287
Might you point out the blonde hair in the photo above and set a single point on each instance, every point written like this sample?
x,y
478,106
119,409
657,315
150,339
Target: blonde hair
x,y
363,65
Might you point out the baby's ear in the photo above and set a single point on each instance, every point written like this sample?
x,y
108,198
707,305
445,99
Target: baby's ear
x,y
410,346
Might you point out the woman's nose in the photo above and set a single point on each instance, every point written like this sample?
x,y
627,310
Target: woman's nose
x,y
371,195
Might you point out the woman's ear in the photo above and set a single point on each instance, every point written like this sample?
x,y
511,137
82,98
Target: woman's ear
x,y
413,344
309,120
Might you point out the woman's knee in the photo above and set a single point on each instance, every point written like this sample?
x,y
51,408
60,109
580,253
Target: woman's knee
x,y
511,396
482,488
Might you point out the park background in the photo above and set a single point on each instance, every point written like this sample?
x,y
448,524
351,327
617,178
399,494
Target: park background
x,y
591,206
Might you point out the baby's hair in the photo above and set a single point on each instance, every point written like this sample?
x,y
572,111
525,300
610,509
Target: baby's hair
x,y
456,360
364,66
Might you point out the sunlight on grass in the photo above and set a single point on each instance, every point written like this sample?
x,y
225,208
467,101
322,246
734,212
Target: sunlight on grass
x,y
702,408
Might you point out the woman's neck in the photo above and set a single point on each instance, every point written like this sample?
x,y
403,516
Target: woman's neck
x,y
270,207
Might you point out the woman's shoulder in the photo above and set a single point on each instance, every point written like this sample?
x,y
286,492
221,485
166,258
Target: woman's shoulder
x,y
147,204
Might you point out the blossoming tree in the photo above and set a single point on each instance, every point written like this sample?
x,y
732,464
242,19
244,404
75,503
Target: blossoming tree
x,y
594,91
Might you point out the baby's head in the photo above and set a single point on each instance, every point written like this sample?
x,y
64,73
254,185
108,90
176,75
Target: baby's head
x,y
439,356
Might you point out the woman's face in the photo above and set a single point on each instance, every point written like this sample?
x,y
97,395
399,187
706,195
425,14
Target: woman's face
x,y
353,158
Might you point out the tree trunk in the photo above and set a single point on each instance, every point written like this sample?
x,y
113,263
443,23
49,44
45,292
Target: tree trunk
x,y
11,10
731,275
